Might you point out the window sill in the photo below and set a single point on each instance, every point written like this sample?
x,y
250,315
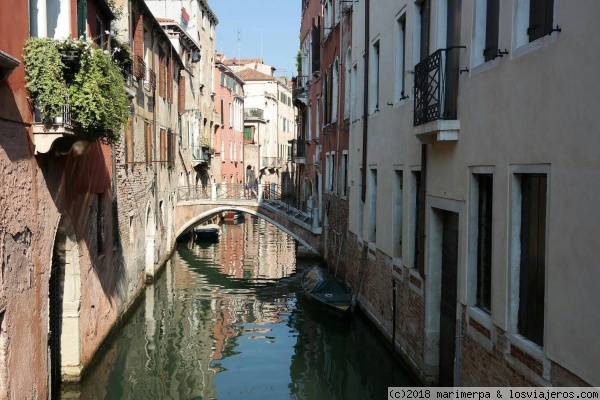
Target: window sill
x,y
415,283
529,359
397,268
372,251
486,66
481,328
533,46
400,103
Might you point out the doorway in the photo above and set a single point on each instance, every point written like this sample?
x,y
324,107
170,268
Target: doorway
x,y
448,298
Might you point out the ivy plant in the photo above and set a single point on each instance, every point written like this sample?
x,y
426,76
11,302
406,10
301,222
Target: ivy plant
x,y
45,81
76,73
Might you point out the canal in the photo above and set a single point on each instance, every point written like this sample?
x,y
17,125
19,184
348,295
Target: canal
x,y
227,320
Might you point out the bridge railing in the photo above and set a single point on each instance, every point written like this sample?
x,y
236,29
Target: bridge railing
x,y
270,193
217,191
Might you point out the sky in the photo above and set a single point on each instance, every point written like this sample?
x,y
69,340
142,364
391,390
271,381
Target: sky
x,y
267,28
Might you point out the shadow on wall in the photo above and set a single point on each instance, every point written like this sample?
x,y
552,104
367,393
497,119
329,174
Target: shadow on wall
x,y
80,186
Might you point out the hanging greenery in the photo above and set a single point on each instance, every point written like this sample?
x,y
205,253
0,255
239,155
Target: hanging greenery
x,y
76,73
45,80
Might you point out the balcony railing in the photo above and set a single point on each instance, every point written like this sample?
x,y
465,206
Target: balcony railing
x,y
298,150
271,162
63,120
436,86
429,88
150,81
139,67
200,153
254,113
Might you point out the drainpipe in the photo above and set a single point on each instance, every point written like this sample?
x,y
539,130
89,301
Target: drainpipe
x,y
365,104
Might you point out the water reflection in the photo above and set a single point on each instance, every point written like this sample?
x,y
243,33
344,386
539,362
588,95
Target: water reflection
x,y
225,321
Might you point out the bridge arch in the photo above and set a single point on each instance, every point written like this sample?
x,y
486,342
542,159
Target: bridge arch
x,y
217,210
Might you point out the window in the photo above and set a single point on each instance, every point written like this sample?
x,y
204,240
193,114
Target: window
x,y
541,14
400,57
162,74
249,134
345,172
532,271
99,32
334,92
534,19
492,21
347,84
397,212
421,32
148,142
332,172
82,18
163,145
318,126
326,99
418,226
222,150
373,206
222,113
375,78
353,90
484,187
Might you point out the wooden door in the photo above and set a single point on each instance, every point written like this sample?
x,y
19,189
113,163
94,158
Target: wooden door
x,y
448,298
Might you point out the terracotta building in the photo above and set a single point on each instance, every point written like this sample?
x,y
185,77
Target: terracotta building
x,y
228,165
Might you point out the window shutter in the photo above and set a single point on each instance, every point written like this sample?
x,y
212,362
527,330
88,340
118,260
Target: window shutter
x,y
138,36
425,17
181,95
316,49
541,14
491,30
170,80
161,74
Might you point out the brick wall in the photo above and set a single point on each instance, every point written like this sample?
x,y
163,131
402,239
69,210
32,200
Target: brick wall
x,y
376,295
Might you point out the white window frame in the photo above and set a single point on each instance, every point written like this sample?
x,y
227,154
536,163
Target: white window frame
x,y
400,84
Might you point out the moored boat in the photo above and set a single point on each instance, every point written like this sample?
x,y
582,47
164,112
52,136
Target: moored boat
x,y
206,233
232,215
327,291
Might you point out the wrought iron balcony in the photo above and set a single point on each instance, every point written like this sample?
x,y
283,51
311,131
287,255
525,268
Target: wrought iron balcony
x,y
435,89
139,67
298,151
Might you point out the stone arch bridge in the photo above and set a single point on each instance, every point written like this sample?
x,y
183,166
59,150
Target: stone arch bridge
x,y
196,205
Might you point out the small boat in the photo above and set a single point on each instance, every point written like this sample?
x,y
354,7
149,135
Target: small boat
x,y
232,215
207,233
327,291
185,237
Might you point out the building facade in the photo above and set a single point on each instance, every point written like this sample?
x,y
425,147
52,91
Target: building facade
x,y
228,165
269,122
462,203
199,21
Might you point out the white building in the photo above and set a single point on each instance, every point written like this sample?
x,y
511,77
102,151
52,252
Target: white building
x,y
475,132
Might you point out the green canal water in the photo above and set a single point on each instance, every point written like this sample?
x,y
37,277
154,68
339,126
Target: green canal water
x,y
227,320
